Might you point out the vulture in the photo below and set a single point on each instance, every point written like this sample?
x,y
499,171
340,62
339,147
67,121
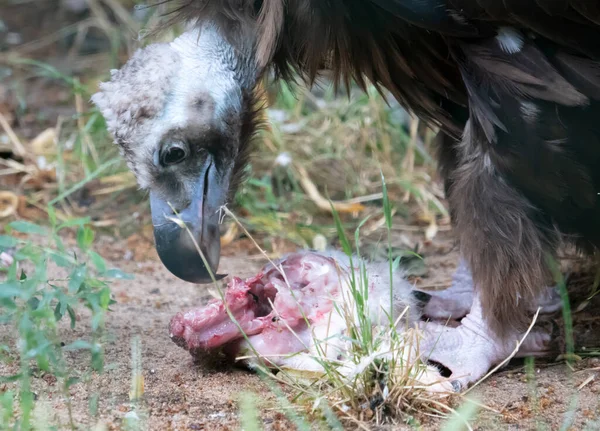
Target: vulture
x,y
513,85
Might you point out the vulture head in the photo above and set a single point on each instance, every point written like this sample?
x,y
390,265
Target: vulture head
x,y
183,115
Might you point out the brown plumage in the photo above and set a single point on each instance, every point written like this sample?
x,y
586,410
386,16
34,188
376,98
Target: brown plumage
x,y
514,85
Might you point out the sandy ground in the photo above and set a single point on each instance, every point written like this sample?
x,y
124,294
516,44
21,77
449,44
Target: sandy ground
x,y
182,395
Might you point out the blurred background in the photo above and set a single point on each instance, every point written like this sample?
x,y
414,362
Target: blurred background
x,y
321,144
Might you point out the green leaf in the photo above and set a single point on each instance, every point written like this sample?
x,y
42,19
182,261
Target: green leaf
x,y
97,319
40,270
29,252
387,208
28,227
78,345
38,350
27,400
97,358
411,263
98,261
58,311
357,233
12,272
85,237
60,246
7,241
249,412
340,230
463,415
52,215
93,404
76,278
7,401
72,381
63,302
74,222
7,304
42,361
10,379
33,303
94,283
11,289
25,324
60,259
72,316
117,274
105,298
396,263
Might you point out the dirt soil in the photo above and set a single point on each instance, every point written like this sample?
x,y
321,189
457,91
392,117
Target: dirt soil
x,y
182,395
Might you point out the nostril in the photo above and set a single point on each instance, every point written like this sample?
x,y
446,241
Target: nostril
x,y
206,182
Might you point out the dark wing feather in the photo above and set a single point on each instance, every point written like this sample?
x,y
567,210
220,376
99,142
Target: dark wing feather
x,y
582,73
571,24
429,14
554,7
588,9
537,106
528,165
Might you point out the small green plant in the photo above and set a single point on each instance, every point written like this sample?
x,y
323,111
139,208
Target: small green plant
x,y
379,379
46,283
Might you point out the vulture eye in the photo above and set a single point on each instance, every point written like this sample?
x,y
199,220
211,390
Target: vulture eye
x,y
173,153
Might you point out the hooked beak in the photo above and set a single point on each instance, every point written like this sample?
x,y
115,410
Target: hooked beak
x,y
178,246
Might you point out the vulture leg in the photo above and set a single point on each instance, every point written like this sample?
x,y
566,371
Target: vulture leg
x,y
471,349
455,302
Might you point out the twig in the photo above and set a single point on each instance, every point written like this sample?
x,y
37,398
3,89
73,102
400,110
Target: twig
x,y
324,204
366,198
121,13
445,285
48,39
379,224
18,147
112,189
586,382
514,352
100,15
18,167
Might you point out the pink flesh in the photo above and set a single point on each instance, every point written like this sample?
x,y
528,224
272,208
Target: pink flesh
x,y
468,350
315,282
